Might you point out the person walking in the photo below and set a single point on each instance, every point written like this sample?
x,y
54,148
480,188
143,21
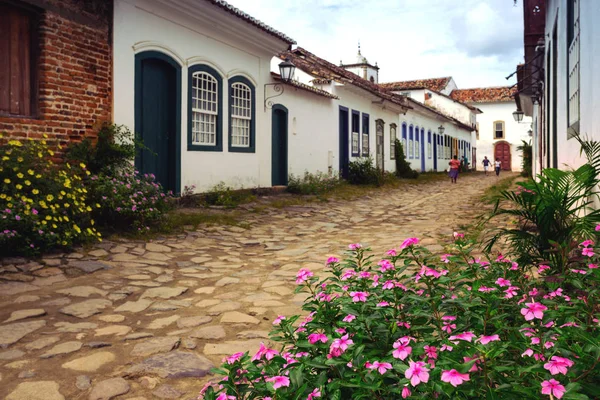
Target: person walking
x,y
454,166
497,166
486,164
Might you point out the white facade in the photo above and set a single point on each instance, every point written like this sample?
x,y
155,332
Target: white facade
x,y
514,132
198,33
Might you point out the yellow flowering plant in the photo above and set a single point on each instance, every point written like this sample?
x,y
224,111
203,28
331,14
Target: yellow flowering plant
x,y
43,204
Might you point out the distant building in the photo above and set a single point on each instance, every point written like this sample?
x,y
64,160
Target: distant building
x,y
498,134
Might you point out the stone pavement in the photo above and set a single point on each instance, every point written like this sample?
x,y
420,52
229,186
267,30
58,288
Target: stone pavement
x,y
135,320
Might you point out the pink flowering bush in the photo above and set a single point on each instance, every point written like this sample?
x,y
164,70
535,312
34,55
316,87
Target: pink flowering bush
x,y
129,199
414,325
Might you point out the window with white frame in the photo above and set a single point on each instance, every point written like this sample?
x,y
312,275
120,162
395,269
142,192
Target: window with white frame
x,y
429,145
355,133
355,143
241,114
498,129
417,147
573,65
365,135
205,98
393,141
411,144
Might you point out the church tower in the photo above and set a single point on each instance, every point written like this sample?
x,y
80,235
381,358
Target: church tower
x,y
362,68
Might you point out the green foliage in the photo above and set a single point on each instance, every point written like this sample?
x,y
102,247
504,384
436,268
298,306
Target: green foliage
x,y
224,196
115,148
553,213
527,158
318,183
363,172
42,205
403,169
372,322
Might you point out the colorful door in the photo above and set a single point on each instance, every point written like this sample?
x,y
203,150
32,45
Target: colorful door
x,y
344,142
435,151
379,145
157,122
422,150
279,146
502,152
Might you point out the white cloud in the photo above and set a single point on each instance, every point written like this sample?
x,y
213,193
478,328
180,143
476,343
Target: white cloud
x,y
478,42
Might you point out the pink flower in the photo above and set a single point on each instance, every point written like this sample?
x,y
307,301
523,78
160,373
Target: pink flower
x,y
578,271
339,346
445,347
448,318
511,292
558,365
383,304
533,310
444,258
265,352
597,227
354,246
314,394
303,275
542,268
486,339
405,392
486,289
409,242
278,320
466,336
474,367
349,318
454,377
587,252
225,396
431,351
234,357
586,243
402,349
359,296
332,260
553,387
279,381
417,373
316,337
380,367
392,253
527,353
592,266
458,235
502,282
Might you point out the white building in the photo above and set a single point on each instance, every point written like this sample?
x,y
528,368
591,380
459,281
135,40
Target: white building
x,y
189,79
498,134
559,81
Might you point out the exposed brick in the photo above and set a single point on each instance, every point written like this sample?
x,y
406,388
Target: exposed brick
x,y
74,73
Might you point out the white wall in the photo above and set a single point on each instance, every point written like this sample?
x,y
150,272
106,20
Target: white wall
x,y
568,149
450,107
141,25
514,132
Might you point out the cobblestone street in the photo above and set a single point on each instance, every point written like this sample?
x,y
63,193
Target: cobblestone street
x,y
134,320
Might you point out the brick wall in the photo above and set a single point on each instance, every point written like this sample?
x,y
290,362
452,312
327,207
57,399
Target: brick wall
x,y
74,71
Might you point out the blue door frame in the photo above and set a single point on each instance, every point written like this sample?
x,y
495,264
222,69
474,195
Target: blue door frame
x,y
422,150
435,146
344,141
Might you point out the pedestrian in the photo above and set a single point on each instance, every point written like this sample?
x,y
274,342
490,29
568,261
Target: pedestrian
x,y
454,166
467,163
486,164
497,165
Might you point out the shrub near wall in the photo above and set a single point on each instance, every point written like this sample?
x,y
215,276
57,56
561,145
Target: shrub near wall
x,y
42,205
459,327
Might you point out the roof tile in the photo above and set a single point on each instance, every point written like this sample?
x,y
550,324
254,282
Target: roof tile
x,y
437,84
485,95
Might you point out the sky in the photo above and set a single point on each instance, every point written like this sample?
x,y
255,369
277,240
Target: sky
x,y
478,42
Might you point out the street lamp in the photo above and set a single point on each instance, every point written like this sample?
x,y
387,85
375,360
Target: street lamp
x,y
518,115
286,73
441,129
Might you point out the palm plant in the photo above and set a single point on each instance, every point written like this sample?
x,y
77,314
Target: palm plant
x,y
553,213
527,158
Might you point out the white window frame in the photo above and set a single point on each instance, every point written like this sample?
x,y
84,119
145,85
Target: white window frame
x,y
355,146
496,130
574,74
241,114
393,135
206,112
417,144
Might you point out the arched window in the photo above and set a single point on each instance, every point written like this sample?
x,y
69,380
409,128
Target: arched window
x,y
404,140
411,145
429,145
241,115
417,147
205,109
393,141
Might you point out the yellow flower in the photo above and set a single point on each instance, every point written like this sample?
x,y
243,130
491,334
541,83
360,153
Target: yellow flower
x,y
45,136
82,165
67,205
67,219
88,208
20,175
15,143
40,155
9,205
38,176
5,158
44,223
30,172
48,218
49,197
54,226
97,205
35,191
50,152
7,181
88,173
19,187
63,192
77,229
28,183
2,196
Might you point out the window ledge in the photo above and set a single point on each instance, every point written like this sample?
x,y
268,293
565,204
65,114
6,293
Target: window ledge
x,y
196,147
241,149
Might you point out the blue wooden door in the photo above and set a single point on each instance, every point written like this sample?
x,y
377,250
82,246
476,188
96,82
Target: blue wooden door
x,y
157,121
422,150
344,142
435,146
279,146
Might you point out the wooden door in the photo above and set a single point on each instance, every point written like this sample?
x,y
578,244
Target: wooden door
x,y
156,122
279,146
379,145
344,142
502,153
435,151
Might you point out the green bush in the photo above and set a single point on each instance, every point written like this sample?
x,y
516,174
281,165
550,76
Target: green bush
x,y
527,158
363,172
43,205
224,196
129,200
403,169
318,183
115,148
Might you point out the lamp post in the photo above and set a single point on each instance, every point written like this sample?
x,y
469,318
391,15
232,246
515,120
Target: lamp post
x,y
518,115
286,73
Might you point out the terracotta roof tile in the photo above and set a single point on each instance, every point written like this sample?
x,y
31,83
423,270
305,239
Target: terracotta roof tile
x,y
437,84
259,24
306,87
323,70
484,95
